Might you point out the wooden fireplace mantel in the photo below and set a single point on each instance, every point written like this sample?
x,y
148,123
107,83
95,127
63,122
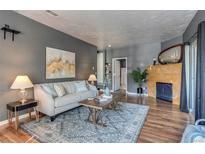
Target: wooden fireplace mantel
x,y
169,73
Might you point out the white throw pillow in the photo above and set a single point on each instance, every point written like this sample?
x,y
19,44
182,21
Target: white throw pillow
x,y
48,88
69,87
81,86
60,90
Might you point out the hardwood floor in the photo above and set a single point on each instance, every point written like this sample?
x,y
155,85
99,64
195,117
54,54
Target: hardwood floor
x,y
8,134
164,123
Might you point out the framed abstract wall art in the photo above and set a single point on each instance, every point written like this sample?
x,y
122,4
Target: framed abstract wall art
x,y
59,64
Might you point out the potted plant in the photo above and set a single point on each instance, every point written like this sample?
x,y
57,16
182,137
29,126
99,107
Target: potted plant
x,y
139,77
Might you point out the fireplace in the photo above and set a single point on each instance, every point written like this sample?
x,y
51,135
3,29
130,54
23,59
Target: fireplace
x,y
169,73
164,91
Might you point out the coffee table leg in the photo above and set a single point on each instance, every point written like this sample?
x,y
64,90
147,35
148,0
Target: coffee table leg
x,y
99,119
94,116
115,105
90,115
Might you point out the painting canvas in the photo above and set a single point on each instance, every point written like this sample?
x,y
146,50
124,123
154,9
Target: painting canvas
x,y
59,64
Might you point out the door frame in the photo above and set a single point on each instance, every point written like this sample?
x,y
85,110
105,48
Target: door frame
x,y
113,60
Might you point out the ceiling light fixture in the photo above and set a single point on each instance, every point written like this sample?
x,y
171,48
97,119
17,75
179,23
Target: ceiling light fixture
x,y
52,13
109,46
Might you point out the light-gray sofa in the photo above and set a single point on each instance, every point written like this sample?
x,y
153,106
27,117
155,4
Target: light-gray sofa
x,y
194,133
51,105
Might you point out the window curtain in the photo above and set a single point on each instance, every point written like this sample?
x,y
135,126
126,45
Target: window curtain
x,y
200,73
184,80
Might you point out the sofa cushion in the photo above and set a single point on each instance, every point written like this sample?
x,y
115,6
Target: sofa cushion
x,y
67,99
60,90
199,139
70,87
192,133
49,89
93,88
86,94
80,86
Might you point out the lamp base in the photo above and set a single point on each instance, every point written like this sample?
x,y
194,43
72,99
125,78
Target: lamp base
x,y
23,101
92,83
23,95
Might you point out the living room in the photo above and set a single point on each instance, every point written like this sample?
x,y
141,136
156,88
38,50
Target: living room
x,y
102,76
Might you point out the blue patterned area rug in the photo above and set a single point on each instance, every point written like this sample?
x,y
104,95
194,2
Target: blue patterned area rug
x,y
123,126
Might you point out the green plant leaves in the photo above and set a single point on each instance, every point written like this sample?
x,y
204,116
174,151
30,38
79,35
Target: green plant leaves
x,y
139,76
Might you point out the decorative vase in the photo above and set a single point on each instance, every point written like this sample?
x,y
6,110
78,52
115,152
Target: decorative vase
x,y
139,90
107,91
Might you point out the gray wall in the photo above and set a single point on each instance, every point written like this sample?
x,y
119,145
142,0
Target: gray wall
x,y
171,42
137,56
192,28
26,55
109,55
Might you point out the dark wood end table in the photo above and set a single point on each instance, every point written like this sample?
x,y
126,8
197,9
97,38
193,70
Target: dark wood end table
x,y
14,108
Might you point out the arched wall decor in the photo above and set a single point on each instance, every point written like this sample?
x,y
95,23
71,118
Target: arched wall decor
x,y
171,55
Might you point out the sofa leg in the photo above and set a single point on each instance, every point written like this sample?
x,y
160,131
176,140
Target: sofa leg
x,y
52,118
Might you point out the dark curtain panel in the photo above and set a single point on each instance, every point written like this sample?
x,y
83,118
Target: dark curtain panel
x,y
200,73
183,95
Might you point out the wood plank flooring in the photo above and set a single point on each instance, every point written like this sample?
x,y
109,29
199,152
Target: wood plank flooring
x,y
164,123
8,134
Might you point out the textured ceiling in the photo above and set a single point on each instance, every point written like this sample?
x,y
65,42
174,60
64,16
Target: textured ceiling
x,y
118,28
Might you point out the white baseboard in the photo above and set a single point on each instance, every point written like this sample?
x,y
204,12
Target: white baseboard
x,y
4,122
136,94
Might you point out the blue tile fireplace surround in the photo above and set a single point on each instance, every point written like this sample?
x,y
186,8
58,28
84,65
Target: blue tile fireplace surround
x,y
164,91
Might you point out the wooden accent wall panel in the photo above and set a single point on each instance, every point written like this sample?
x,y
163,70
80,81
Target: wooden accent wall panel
x,y
169,73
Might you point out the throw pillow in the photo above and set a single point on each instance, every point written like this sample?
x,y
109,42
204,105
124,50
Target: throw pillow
x,y
70,87
49,89
59,90
81,86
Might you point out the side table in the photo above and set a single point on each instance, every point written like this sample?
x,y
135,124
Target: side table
x,y
14,108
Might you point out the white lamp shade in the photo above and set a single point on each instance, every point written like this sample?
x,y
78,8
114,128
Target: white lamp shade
x,y
22,82
92,77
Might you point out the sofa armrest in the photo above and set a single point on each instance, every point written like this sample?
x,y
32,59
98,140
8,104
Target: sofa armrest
x,y
199,120
46,101
93,89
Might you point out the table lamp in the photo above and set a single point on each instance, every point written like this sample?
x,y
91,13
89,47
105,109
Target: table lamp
x,y
22,82
92,78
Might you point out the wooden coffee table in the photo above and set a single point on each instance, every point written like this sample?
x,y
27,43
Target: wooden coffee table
x,y
96,108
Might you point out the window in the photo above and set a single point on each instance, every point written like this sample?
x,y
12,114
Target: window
x,y
190,60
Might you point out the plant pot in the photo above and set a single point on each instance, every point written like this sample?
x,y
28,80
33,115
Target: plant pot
x,y
139,90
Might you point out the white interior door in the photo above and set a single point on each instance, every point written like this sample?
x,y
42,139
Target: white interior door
x,y
117,75
123,78
116,79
